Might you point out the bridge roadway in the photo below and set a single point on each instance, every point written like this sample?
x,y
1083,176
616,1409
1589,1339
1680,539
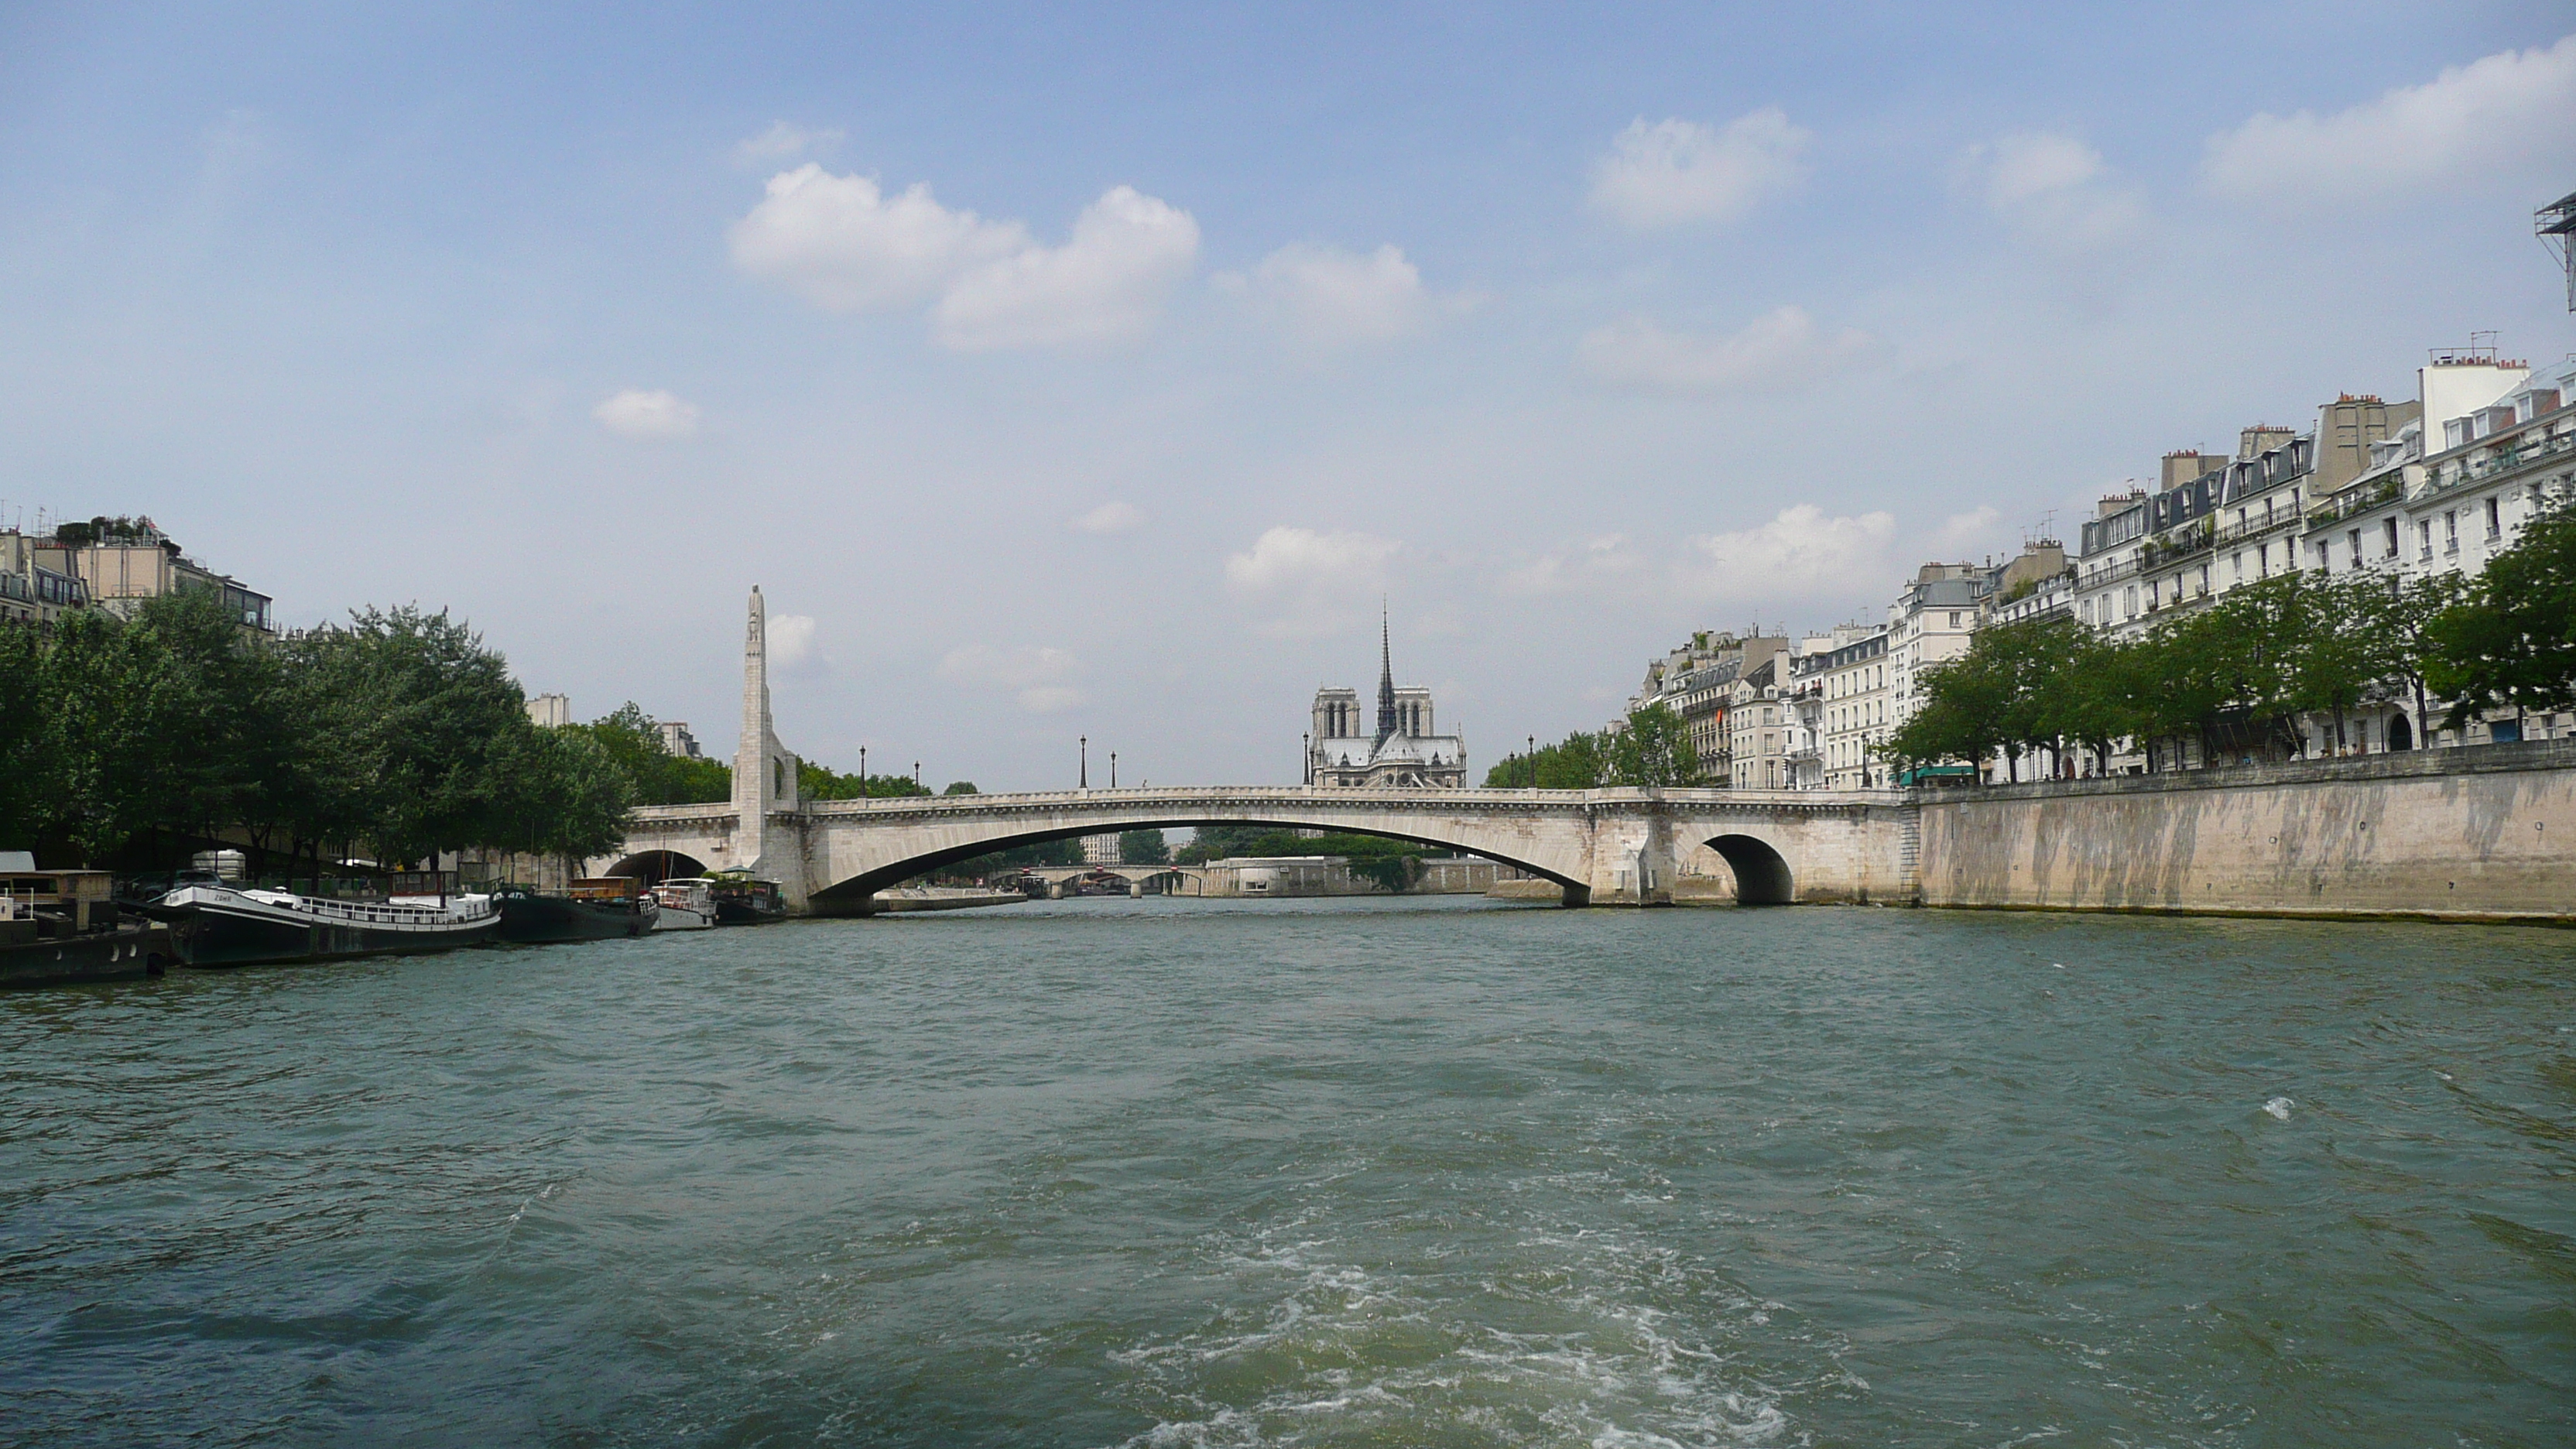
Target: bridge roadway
x,y
1618,846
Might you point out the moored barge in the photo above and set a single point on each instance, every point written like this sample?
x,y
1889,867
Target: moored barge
x,y
597,908
216,925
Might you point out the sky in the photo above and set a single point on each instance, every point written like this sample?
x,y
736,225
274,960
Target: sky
x,y
1064,372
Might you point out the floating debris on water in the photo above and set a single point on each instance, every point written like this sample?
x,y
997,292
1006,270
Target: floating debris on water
x,y
2279,1107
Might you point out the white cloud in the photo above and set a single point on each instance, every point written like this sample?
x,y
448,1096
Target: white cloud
x,y
1326,297
1961,531
640,414
1781,348
1284,557
2033,164
1681,171
1110,517
1801,549
841,244
1106,284
1312,583
2054,190
791,639
2509,113
1607,565
1037,674
783,142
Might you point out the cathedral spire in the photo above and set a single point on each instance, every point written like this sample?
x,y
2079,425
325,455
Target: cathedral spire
x,y
1386,722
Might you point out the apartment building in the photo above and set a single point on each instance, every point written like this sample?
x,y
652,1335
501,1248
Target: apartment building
x,y
34,590
123,562
2509,451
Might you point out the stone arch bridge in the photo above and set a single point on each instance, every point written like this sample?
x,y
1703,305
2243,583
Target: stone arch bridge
x,y
1602,846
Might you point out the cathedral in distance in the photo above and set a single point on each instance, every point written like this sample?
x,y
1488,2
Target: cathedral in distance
x,y
1404,749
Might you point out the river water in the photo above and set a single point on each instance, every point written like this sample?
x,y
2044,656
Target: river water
x,y
1375,1172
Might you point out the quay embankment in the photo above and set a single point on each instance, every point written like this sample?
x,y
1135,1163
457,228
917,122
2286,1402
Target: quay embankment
x,y
2477,834
905,900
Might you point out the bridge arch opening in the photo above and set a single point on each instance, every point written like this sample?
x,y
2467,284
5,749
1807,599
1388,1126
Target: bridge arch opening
x,y
1761,876
656,866
847,894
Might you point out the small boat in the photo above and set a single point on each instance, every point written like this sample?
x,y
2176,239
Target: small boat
x,y
217,925
687,904
742,901
596,908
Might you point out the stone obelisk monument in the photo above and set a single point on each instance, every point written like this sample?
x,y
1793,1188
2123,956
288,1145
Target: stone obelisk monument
x,y
764,774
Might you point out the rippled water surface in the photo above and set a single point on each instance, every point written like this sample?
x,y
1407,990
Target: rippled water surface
x,y
1376,1172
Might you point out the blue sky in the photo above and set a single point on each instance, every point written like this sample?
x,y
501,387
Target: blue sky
x,y
1568,330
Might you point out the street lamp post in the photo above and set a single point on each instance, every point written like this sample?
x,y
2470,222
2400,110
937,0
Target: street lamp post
x,y
1533,761
863,772
1113,769
1086,762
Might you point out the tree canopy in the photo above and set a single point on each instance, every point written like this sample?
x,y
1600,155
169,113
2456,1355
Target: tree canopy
x,y
1652,748
2510,640
2239,675
147,739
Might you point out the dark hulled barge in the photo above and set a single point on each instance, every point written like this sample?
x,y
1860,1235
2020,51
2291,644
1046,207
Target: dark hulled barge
x,y
597,908
218,925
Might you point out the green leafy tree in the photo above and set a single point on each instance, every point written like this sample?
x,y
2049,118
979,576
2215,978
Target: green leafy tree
x,y
1144,847
1963,714
559,794
221,720
2099,695
30,781
2401,617
1654,750
2029,671
421,707
1580,761
2512,641
2342,655
959,787
819,783
632,739
108,688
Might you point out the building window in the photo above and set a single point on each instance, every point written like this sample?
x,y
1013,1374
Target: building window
x,y
2236,561
2424,539
2451,531
2495,519
2390,524
2353,537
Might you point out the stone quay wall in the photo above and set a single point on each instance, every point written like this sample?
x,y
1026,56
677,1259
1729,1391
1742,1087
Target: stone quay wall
x,y
1331,875
2479,833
